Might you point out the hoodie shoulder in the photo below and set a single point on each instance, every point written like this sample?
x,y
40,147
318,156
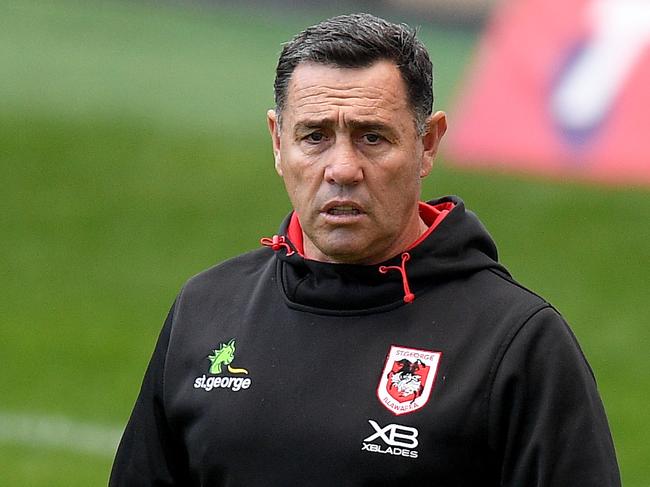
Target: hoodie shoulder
x,y
230,274
503,278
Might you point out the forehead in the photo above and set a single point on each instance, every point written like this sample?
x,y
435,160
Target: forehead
x,y
373,92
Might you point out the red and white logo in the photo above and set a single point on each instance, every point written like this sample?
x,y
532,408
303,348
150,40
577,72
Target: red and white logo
x,y
407,379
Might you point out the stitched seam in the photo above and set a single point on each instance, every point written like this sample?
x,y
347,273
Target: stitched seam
x,y
501,353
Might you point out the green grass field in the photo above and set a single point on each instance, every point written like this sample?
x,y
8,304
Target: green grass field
x,y
133,154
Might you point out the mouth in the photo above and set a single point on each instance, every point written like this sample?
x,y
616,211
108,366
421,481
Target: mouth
x,y
342,208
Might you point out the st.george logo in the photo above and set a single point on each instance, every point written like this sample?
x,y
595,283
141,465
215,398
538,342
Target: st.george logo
x,y
407,379
224,355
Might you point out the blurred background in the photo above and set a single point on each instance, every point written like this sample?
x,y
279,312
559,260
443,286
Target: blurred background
x,y
134,154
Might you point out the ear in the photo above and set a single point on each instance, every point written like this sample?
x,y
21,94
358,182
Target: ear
x,y
436,128
274,130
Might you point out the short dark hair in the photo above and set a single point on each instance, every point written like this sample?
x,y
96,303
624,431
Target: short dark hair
x,y
357,41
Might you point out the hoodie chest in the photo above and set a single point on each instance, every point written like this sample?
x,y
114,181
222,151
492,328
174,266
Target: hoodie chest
x,y
386,390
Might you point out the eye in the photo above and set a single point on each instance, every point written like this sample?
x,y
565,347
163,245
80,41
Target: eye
x,y
315,137
372,138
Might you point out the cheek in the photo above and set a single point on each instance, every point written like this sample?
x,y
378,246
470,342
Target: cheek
x,y
295,161
307,170
399,179
302,184
396,196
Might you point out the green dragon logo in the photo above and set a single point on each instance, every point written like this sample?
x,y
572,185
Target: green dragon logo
x,y
224,356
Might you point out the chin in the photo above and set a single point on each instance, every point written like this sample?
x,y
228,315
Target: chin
x,y
341,252
348,254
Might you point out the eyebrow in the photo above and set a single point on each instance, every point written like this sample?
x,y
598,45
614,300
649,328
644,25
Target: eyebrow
x,y
353,124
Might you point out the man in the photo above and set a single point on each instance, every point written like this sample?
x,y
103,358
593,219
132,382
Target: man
x,y
376,340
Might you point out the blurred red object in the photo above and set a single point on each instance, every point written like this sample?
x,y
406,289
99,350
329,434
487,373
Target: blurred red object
x,y
560,88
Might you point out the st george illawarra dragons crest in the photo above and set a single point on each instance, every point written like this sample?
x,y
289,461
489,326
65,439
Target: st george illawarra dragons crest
x,y
407,379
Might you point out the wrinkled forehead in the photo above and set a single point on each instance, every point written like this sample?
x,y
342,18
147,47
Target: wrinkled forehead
x,y
322,90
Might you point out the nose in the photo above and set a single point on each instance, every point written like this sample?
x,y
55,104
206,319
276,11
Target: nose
x,y
344,167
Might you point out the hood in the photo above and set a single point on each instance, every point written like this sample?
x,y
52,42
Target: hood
x,y
456,246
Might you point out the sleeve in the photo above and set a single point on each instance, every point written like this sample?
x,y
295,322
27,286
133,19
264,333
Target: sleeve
x,y
149,454
547,425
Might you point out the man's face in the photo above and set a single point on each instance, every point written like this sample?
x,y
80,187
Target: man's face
x,y
352,160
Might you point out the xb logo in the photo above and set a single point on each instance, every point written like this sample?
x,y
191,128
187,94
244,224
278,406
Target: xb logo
x,y
394,435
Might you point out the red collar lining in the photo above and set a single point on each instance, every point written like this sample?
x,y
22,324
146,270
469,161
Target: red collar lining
x,y
432,215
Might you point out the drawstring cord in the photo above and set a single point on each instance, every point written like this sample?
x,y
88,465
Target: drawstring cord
x,y
276,243
408,295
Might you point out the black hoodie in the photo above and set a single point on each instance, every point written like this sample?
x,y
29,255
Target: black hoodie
x,y
275,370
